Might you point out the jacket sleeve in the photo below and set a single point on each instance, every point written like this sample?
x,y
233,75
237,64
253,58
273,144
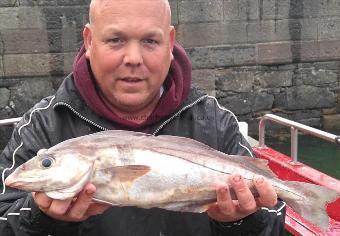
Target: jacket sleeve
x,y
19,215
265,221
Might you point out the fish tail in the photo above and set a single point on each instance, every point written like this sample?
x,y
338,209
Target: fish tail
x,y
309,200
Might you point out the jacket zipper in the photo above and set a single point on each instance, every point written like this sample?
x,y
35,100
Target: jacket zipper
x,y
80,116
154,133
178,113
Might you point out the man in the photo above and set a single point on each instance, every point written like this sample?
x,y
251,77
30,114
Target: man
x,y
132,75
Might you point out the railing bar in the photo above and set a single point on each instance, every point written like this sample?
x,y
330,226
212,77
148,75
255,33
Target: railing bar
x,y
304,128
10,121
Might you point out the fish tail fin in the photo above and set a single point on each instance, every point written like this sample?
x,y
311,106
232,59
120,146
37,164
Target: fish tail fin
x,y
309,200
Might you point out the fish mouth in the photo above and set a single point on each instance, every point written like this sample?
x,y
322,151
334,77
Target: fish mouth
x,y
13,183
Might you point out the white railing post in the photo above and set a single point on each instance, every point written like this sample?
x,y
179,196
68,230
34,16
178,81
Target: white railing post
x,y
295,128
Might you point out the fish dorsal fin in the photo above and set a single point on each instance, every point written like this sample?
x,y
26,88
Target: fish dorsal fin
x,y
126,173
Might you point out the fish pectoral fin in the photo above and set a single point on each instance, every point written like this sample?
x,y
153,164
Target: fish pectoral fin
x,y
126,173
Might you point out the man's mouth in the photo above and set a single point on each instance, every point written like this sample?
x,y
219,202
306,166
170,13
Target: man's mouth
x,y
132,79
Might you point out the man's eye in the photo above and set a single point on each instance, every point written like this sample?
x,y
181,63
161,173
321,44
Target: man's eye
x,y
116,40
150,41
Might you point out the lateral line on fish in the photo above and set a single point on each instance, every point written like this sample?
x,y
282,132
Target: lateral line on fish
x,y
15,151
199,164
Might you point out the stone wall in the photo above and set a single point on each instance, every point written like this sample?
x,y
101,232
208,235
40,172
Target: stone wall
x,y
256,56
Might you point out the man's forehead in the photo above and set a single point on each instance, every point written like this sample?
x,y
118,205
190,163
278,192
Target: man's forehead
x,y
98,5
92,1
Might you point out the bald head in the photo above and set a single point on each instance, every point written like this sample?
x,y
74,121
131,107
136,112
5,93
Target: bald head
x,y
97,5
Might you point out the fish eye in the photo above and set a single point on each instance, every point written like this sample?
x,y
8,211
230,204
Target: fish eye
x,y
46,162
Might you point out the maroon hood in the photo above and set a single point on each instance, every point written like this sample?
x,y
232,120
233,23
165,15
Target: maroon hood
x,y
176,85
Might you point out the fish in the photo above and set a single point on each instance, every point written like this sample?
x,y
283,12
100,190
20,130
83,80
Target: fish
x,y
169,172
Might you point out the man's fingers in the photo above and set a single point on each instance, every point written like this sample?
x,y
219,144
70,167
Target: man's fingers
x,y
245,198
224,200
59,207
81,205
268,196
42,200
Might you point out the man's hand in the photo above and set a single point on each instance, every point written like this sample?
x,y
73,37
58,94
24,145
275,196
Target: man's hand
x,y
228,210
71,210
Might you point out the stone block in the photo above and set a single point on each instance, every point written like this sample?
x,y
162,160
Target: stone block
x,y
235,81
331,122
274,9
274,53
2,72
208,34
4,97
33,3
282,30
8,3
73,2
68,62
239,104
174,12
329,50
327,65
329,29
263,101
241,10
279,53
305,114
25,41
26,65
64,17
37,64
200,11
329,111
307,97
212,57
275,78
205,79
329,8
317,77
20,18
40,40
26,94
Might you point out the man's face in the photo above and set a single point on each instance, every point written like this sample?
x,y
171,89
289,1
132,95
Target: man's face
x,y
129,44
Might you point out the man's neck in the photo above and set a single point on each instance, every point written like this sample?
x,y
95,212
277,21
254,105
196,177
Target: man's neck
x,y
137,116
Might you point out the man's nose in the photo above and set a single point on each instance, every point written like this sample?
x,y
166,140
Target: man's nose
x,y
133,54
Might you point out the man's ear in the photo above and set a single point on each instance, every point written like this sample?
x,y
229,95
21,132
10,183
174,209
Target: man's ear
x,y
87,37
172,40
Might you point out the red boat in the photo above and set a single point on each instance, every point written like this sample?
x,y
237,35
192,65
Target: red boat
x,y
288,168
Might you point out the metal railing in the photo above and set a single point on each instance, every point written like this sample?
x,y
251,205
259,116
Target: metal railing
x,y
295,127
9,122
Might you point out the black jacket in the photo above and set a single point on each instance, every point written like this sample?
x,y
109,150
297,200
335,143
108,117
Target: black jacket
x,y
65,116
